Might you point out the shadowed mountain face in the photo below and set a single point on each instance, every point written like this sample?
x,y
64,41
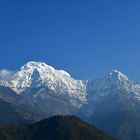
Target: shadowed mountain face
x,y
55,128
11,114
115,110
121,120
15,109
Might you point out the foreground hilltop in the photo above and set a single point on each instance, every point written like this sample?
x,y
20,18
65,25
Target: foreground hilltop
x,y
54,128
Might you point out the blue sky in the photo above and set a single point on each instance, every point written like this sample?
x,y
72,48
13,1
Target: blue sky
x,y
85,38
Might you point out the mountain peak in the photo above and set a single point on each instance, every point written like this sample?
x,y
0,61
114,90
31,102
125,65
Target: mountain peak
x,y
33,63
42,67
117,75
36,65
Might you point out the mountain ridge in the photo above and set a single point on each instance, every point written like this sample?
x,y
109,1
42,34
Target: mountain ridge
x,y
54,128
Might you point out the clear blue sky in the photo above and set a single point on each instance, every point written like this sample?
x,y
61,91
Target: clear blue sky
x,y
85,38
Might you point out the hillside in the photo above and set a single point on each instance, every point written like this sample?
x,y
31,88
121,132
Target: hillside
x,y
54,128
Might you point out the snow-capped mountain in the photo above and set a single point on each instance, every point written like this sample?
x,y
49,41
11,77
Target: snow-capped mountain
x,y
37,74
115,80
114,84
109,103
113,105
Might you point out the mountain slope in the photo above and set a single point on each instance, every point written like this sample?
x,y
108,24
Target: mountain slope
x,y
11,114
55,128
15,109
114,106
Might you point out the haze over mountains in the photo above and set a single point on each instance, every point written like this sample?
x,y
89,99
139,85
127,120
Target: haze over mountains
x,y
37,91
